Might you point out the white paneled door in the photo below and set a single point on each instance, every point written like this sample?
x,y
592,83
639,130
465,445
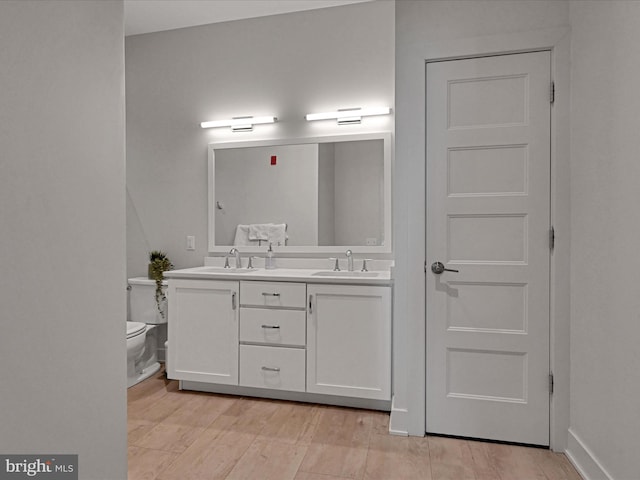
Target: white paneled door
x,y
488,203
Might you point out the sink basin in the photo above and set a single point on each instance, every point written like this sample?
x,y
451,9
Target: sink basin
x,y
342,273
225,270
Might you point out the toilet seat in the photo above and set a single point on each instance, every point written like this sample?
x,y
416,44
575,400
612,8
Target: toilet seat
x,y
135,328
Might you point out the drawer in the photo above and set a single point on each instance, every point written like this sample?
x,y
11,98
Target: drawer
x,y
277,327
278,368
273,294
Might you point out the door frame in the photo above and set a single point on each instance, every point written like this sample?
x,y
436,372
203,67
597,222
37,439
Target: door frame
x,y
409,403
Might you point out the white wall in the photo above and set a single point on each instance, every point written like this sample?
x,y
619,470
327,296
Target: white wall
x,y
283,65
422,27
62,241
252,190
605,273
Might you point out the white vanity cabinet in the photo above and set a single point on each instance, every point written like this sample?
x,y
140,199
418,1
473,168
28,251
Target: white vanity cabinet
x,y
203,331
294,339
349,341
272,335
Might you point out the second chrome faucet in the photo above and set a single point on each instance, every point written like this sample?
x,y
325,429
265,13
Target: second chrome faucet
x,y
349,255
336,266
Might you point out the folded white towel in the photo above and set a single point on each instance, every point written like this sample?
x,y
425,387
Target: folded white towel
x,y
259,231
242,236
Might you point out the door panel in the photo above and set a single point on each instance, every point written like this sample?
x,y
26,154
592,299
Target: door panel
x,y
487,238
488,199
490,170
485,100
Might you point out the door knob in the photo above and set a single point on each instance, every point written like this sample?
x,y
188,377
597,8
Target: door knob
x,y
438,268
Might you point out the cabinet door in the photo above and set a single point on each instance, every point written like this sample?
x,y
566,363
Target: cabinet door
x,y
203,331
349,341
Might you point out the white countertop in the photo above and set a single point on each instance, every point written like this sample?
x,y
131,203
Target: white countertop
x,y
284,275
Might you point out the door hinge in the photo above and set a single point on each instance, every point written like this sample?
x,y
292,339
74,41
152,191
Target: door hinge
x,y
552,93
552,238
551,383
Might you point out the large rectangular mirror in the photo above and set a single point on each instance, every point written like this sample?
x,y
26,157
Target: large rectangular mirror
x,y
308,195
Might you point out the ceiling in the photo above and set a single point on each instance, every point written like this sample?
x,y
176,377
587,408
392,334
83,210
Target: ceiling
x,y
144,16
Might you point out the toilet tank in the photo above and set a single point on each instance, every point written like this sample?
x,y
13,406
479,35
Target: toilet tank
x,y
142,302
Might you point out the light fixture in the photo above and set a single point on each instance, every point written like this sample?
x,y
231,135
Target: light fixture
x,y
239,124
348,115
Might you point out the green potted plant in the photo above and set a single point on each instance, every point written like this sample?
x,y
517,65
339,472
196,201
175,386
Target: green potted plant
x,y
158,264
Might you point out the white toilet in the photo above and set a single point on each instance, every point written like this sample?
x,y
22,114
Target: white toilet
x,y
146,330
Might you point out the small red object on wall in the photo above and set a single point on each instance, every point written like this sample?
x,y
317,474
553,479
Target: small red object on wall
x,y
273,159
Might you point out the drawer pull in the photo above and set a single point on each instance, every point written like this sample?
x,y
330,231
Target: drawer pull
x,y
266,294
270,369
270,326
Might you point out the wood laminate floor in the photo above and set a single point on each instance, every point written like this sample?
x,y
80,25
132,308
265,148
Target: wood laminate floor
x,y
180,435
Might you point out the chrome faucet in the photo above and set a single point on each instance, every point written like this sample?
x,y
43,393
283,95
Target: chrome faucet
x,y
349,254
236,254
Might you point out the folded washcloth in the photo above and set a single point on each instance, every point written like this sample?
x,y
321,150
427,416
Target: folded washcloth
x,y
259,231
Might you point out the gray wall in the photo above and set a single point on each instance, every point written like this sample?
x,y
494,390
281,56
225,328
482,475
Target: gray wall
x,y
326,194
62,241
283,65
605,228
359,192
251,190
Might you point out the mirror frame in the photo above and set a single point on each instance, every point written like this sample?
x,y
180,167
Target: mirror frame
x,y
307,249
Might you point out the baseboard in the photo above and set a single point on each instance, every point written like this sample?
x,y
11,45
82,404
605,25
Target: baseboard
x,y
398,420
584,460
366,403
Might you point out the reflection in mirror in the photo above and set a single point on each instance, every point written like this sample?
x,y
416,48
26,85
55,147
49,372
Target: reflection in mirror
x,y
301,195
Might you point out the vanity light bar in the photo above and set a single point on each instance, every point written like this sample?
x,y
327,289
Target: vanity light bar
x,y
349,115
239,124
